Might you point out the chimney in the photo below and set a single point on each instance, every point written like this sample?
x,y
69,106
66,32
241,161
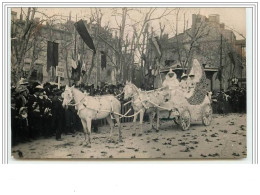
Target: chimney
x,y
194,19
222,26
214,18
21,14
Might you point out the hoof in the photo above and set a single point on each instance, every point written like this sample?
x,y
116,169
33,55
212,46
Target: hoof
x,y
157,131
120,140
133,134
140,134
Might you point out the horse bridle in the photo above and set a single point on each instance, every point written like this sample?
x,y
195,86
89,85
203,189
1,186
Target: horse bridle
x,y
136,91
72,98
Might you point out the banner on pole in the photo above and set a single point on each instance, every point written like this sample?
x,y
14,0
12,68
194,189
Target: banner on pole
x,y
83,32
52,54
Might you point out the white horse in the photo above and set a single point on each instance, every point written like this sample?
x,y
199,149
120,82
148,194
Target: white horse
x,y
143,101
92,108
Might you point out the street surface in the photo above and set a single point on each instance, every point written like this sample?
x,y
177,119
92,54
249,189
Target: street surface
x,y
225,138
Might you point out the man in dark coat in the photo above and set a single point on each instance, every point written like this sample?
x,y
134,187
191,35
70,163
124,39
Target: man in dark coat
x,y
32,100
23,125
57,113
46,117
14,125
21,99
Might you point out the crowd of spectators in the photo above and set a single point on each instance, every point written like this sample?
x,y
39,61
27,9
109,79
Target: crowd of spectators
x,y
36,110
231,101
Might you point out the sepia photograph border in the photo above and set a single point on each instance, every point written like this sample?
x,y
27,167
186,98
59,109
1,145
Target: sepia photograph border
x,y
251,61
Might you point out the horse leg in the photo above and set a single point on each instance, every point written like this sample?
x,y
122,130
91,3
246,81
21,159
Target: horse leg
x,y
141,122
151,117
89,129
158,120
84,128
119,128
110,122
134,121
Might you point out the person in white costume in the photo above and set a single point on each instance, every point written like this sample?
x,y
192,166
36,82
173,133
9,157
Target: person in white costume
x,y
171,84
171,81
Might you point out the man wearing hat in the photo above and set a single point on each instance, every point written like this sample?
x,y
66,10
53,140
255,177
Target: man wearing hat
x,y
23,125
21,99
190,84
183,83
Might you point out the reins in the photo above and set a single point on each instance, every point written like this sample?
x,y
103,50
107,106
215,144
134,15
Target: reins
x,y
108,111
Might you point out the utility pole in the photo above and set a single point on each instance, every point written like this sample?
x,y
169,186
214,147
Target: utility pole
x,y
221,66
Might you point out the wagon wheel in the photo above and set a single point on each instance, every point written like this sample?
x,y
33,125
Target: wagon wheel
x,y
206,115
185,120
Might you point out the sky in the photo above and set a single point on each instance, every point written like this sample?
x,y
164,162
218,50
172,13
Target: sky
x,y
234,18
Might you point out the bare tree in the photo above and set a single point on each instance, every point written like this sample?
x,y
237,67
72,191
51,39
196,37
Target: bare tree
x,y
27,40
22,34
188,41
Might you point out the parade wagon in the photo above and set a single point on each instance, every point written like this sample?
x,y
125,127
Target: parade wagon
x,y
186,114
173,102
193,106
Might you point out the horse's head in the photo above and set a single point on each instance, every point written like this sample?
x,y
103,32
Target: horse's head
x,y
67,96
129,90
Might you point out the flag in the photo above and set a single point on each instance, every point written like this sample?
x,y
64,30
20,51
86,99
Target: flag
x,y
55,54
52,54
103,60
83,32
49,55
157,47
76,72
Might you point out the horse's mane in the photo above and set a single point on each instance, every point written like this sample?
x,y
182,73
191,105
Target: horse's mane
x,y
78,90
136,88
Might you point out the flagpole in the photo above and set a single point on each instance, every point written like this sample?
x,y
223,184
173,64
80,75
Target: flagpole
x,y
67,67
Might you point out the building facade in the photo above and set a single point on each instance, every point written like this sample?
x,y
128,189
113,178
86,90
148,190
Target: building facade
x,y
71,47
215,47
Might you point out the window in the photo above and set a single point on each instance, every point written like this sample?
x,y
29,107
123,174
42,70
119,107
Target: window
x,y
37,73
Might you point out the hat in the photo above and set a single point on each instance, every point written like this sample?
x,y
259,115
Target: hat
x,y
170,71
39,87
22,109
191,73
23,82
21,89
184,75
53,83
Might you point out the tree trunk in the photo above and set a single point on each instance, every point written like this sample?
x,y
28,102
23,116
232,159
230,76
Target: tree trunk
x,y
92,66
